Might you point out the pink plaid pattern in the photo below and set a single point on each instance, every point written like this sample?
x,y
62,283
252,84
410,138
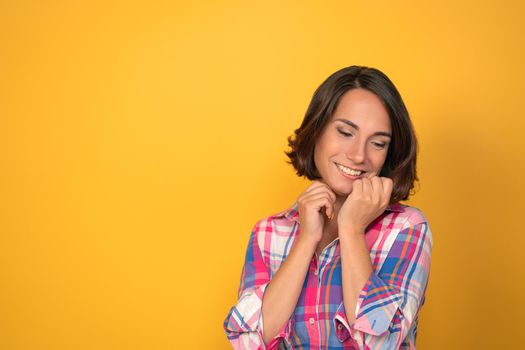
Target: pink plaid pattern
x,y
386,314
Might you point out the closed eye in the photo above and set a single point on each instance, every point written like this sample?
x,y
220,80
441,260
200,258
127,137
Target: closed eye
x,y
379,145
344,133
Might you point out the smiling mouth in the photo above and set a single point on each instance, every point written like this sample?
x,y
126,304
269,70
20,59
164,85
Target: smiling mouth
x,y
349,171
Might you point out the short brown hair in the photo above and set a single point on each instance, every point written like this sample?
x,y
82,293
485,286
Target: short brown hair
x,y
400,162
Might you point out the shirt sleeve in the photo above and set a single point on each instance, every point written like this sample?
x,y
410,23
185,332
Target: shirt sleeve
x,y
244,323
389,302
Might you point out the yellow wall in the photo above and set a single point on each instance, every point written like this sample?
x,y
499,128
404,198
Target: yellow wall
x,y
141,140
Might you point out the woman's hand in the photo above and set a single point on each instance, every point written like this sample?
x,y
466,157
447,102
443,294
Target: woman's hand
x,y
310,206
368,200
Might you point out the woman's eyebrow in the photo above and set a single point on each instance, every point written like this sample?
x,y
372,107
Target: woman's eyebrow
x,y
353,125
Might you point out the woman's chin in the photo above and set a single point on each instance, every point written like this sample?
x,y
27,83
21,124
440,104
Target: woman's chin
x,y
342,193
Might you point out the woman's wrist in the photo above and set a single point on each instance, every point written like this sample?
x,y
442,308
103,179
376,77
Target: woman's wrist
x,y
350,230
306,244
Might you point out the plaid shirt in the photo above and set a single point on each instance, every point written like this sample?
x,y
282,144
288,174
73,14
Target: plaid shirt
x,y
386,314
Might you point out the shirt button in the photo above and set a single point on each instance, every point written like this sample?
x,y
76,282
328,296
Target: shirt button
x,y
311,320
316,272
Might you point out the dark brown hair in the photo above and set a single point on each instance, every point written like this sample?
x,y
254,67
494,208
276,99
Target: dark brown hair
x,y
400,162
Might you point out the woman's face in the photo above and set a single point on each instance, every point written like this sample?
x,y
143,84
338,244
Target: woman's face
x,y
354,143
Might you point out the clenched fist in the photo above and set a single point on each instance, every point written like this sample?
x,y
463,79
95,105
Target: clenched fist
x,y
368,200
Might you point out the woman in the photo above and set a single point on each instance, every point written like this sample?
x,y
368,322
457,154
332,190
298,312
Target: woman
x,y
347,265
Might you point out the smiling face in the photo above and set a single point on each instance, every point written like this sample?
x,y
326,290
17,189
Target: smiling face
x,y
354,143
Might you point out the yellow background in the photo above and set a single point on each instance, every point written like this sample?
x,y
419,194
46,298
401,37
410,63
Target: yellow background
x,y
140,141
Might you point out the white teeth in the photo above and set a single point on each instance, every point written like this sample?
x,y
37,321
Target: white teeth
x,y
349,171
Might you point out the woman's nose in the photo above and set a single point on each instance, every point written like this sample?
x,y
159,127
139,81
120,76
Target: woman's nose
x,y
356,152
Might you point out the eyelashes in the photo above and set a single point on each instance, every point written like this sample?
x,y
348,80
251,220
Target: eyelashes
x,y
378,145
344,133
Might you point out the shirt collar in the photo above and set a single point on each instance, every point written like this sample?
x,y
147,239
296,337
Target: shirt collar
x,y
292,213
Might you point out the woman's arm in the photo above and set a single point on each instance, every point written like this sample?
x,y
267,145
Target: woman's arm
x,y
262,316
369,198
284,289
244,323
380,307
356,268
282,294
387,305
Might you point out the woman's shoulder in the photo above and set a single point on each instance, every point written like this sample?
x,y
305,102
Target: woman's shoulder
x,y
408,214
275,233
402,222
280,223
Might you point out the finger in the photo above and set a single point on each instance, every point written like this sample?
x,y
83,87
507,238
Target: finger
x,y
357,188
317,195
330,192
311,188
320,200
377,189
320,194
367,189
388,186
322,187
314,185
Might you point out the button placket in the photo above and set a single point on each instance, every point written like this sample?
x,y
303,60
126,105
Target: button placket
x,y
311,322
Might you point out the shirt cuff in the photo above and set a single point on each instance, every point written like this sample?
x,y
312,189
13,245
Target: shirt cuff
x,y
376,306
246,316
